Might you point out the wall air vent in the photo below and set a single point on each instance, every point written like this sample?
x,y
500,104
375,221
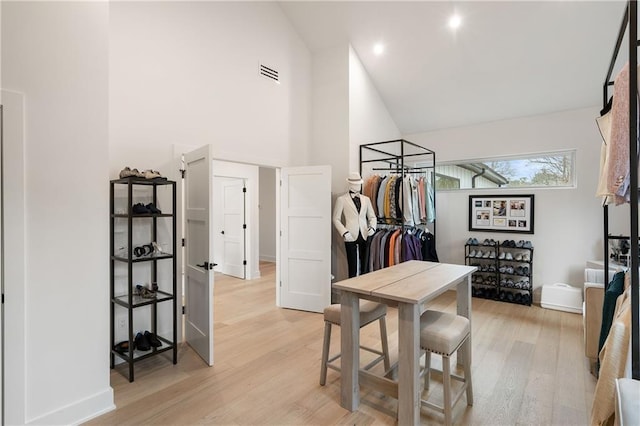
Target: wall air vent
x,y
269,73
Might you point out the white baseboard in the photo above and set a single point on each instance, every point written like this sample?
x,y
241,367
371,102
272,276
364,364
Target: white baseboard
x,y
80,411
266,258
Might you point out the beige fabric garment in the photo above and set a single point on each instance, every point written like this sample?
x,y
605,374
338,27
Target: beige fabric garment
x,y
617,155
604,125
613,358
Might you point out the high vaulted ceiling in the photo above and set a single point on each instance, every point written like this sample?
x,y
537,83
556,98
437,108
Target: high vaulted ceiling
x,y
508,59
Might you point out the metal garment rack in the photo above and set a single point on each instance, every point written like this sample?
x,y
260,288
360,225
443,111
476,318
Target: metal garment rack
x,y
630,22
394,154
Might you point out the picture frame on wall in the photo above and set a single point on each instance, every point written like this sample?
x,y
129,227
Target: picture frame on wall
x,y
501,213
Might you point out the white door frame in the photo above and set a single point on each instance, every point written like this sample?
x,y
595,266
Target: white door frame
x,y
13,182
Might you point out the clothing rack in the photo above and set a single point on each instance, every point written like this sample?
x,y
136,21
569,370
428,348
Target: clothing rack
x,y
395,154
630,23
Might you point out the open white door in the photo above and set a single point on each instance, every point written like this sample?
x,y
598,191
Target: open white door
x,y
198,285
305,220
233,230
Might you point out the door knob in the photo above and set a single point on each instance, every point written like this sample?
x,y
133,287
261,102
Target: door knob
x,y
222,232
206,265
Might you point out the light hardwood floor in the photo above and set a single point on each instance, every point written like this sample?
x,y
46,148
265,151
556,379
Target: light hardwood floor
x,y
528,368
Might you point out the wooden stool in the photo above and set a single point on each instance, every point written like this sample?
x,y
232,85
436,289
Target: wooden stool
x,y
443,333
369,312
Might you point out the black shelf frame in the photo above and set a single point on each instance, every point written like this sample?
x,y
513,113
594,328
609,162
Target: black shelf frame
x,y
131,301
629,24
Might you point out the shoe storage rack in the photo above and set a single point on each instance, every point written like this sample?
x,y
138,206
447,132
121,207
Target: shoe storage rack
x,y
505,270
143,282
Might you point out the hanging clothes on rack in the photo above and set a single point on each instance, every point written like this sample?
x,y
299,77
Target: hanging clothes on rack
x,y
391,245
408,200
614,181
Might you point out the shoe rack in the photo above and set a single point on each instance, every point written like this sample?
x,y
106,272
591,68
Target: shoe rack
x,y
505,270
143,270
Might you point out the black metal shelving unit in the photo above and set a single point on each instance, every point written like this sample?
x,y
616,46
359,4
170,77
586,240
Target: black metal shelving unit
x,y
629,25
507,278
128,300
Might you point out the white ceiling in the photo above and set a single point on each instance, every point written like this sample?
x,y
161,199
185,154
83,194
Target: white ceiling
x,y
508,59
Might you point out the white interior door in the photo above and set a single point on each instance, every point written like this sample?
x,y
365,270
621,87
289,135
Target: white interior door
x,y
198,249
233,227
305,221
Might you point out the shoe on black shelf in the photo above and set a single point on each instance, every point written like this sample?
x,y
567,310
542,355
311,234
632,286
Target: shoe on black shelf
x,y
127,173
145,293
122,347
518,298
153,339
140,209
142,342
153,209
509,297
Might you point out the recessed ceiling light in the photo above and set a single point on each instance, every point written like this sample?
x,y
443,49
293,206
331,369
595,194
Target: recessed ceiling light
x,y
378,49
455,21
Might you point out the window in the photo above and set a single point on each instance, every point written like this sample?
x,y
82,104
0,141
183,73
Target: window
x,y
543,170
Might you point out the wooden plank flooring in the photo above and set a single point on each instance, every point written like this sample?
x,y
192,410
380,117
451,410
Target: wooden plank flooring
x,y
528,368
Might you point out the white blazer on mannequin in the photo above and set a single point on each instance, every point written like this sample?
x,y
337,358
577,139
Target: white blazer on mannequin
x,y
354,222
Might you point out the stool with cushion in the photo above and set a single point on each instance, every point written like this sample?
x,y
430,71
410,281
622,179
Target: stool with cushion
x,y
443,333
369,312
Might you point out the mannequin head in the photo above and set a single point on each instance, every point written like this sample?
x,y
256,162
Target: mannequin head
x,y
355,182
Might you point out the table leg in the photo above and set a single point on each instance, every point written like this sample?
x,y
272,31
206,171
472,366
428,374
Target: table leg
x,y
408,364
350,353
463,292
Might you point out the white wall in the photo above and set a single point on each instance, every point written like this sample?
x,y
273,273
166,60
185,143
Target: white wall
x,y
267,206
57,55
187,73
369,119
330,108
568,222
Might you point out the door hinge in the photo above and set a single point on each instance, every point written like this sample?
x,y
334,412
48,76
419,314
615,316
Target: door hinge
x,y
183,242
244,226
280,283
244,189
3,298
281,233
280,182
182,172
244,262
182,310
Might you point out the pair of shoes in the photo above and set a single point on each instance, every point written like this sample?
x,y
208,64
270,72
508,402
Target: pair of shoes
x,y
140,208
153,174
147,340
527,245
144,250
145,293
472,242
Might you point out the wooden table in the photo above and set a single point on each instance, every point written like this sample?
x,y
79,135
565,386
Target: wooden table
x,y
408,285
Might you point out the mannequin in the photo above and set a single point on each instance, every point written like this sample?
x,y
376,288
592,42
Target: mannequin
x,y
359,222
